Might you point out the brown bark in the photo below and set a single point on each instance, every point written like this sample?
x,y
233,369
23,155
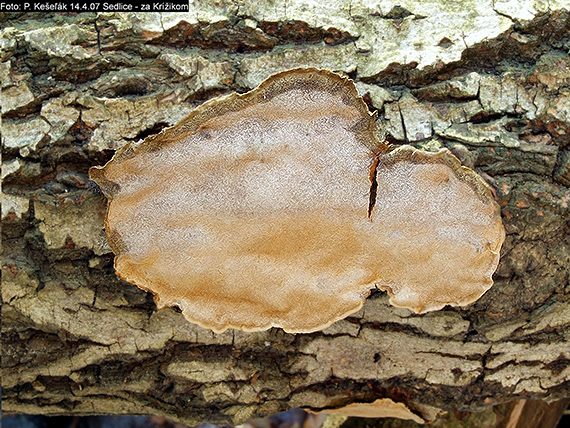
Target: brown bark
x,y
532,413
77,340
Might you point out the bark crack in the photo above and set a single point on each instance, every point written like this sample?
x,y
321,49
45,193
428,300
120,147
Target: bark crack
x,y
503,14
98,31
403,123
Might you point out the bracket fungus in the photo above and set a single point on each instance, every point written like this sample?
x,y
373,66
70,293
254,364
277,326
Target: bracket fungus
x,y
281,208
381,408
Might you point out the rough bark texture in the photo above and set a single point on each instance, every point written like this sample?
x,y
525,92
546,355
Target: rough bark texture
x,y
490,81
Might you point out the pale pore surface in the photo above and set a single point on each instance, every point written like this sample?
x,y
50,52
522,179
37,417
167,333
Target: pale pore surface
x,y
438,242
259,217
259,221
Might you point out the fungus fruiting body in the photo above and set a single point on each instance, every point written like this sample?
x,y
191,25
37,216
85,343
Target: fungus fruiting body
x,y
381,408
280,208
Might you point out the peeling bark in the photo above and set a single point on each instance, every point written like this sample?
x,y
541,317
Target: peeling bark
x,y
78,340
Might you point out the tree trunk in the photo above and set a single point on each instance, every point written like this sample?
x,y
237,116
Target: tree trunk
x,y
492,84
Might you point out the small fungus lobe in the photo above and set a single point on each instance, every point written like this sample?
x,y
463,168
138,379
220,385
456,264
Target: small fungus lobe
x,y
281,208
381,408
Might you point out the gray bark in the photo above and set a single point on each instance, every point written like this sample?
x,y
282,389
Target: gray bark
x,y
77,340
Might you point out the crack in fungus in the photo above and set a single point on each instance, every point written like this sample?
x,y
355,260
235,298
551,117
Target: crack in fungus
x,y
373,185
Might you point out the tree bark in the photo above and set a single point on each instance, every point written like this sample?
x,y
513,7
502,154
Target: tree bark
x,y
78,340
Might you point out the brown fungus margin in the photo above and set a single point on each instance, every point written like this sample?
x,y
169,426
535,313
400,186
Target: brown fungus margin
x,y
281,208
380,408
